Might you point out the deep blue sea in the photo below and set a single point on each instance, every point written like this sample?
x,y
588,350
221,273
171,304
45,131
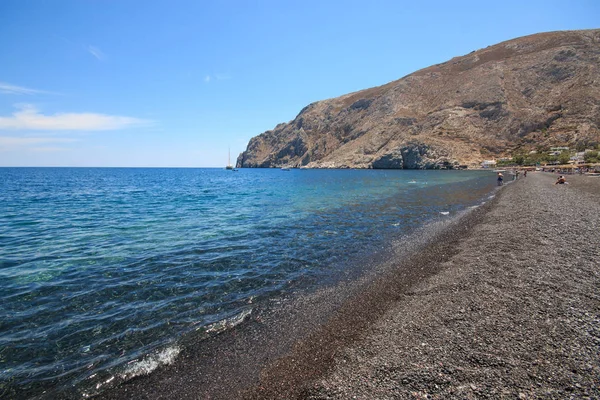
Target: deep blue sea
x,y
103,270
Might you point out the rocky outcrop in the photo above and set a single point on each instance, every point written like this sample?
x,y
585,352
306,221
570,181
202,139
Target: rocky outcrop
x,y
530,92
413,156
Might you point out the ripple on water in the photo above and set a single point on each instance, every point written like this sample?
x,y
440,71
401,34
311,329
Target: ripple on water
x,y
110,266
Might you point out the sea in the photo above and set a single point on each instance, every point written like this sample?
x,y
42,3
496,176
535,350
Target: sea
x,y
104,271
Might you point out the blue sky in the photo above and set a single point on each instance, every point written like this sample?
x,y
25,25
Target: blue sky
x,y
176,84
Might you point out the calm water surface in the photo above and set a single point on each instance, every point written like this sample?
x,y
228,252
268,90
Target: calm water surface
x,y
103,270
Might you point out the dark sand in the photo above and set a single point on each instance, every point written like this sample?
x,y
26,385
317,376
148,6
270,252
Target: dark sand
x,y
504,304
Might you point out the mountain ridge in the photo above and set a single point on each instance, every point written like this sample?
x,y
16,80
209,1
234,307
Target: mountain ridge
x,y
521,94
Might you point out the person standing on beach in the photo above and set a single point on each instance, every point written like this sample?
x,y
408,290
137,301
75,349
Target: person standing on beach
x,y
500,179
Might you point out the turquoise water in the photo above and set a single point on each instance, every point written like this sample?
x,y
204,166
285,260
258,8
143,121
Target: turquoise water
x,y
101,267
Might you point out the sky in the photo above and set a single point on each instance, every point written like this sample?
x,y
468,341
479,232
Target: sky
x,y
130,83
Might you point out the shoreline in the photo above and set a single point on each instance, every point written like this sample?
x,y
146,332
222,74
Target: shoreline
x,y
424,325
345,240
234,363
515,313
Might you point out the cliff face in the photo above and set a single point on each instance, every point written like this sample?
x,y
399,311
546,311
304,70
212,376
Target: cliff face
x,y
539,90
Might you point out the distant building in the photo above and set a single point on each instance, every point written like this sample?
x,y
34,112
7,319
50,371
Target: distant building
x,y
488,164
559,149
578,158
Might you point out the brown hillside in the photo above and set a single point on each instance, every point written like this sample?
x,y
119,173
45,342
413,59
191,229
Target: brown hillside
x,y
535,91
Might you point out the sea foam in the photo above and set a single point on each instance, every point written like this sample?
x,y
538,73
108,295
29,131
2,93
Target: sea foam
x,y
151,362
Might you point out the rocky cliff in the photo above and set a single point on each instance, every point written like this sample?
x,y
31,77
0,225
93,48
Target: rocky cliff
x,y
531,92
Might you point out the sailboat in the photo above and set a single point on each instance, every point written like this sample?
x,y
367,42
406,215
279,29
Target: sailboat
x,y
229,166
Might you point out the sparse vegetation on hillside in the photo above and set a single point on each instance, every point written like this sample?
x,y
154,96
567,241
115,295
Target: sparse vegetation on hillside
x,y
543,156
591,157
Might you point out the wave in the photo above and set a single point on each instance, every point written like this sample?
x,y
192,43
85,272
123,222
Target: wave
x,y
150,363
226,323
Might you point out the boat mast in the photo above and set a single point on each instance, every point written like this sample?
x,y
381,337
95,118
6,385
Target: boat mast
x,y
229,166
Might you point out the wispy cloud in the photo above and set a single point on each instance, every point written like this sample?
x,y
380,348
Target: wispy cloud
x,y
26,141
96,52
37,144
216,77
28,117
48,149
7,88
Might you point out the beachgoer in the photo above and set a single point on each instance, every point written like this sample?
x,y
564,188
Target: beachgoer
x,y
500,179
525,174
561,179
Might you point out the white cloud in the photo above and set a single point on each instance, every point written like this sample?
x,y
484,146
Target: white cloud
x,y
7,88
207,78
28,117
96,52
